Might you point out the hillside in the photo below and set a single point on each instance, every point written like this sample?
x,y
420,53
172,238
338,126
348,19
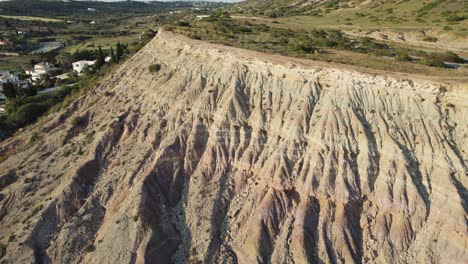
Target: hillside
x,y
428,23
223,155
322,7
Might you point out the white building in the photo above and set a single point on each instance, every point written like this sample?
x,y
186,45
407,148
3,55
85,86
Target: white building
x,y
7,76
80,65
40,70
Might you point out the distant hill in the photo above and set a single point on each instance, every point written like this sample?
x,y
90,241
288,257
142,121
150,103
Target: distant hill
x,y
321,7
56,8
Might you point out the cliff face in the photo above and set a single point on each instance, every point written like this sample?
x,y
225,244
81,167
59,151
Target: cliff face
x,y
232,156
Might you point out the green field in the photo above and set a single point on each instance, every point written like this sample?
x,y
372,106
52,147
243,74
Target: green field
x,y
32,18
105,42
16,63
79,29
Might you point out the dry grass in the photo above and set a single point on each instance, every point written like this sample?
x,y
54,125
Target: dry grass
x,y
32,18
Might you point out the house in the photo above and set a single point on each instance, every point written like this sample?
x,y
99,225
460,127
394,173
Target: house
x,y
80,65
40,70
7,76
43,68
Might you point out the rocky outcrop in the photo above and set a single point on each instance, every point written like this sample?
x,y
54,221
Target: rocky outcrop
x,y
233,156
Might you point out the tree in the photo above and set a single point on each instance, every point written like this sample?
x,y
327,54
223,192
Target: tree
x,y
113,57
33,62
100,59
30,91
25,114
86,70
119,52
9,90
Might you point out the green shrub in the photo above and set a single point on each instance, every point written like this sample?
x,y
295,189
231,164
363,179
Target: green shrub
x,y
25,114
448,57
272,13
454,18
368,45
430,39
61,93
431,5
182,24
446,12
154,68
402,56
434,62
301,44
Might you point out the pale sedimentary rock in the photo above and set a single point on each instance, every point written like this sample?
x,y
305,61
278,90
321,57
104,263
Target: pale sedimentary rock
x,y
231,156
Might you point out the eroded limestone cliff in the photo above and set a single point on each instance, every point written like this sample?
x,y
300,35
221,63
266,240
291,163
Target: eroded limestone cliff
x,y
232,156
